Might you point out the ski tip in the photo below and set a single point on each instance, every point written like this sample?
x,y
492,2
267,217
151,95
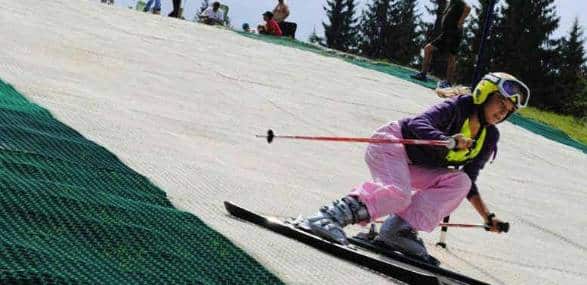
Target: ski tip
x,y
228,205
270,136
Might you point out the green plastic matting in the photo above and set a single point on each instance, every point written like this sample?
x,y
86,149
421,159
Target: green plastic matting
x,y
72,213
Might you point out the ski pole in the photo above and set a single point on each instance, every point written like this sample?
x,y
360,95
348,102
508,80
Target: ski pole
x,y
503,227
271,136
443,230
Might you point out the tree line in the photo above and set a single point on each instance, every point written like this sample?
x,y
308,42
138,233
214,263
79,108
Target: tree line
x,y
521,42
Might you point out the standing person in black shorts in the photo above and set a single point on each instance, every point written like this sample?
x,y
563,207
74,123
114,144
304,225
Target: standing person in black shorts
x,y
448,41
176,9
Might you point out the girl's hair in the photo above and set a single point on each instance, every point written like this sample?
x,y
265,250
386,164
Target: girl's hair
x,y
453,91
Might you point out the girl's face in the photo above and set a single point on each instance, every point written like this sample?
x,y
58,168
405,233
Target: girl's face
x,y
498,108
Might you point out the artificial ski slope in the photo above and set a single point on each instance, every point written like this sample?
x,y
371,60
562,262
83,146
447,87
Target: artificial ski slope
x,y
180,103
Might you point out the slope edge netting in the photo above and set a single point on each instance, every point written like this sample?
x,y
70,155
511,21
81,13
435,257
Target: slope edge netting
x,y
404,73
72,212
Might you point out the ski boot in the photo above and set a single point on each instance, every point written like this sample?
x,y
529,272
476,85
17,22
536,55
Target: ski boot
x,y
419,76
330,220
399,235
443,84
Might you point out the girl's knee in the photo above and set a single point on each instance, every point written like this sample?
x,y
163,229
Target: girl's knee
x,y
404,203
462,182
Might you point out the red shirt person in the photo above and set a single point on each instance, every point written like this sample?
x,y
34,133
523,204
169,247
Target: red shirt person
x,y
271,27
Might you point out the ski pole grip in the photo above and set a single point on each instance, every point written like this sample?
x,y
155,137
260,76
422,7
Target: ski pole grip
x,y
503,227
270,136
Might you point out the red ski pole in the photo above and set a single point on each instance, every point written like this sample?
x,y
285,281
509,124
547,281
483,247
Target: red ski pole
x,y
271,136
504,227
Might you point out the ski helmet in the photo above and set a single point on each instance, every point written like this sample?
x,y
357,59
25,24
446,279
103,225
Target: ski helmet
x,y
506,84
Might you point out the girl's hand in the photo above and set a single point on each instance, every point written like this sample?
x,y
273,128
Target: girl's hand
x,y
495,225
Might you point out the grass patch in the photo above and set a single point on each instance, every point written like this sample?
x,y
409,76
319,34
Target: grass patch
x,y
573,127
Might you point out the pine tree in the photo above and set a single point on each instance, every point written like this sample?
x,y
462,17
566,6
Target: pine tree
x,y
374,26
580,103
340,33
315,39
526,48
351,21
403,39
571,83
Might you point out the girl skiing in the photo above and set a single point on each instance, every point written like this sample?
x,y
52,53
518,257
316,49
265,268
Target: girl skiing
x,y
419,185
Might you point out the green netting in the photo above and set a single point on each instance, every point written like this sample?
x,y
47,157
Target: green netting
x,y
547,131
71,212
404,73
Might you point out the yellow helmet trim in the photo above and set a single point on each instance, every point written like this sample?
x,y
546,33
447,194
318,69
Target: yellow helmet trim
x,y
482,91
486,87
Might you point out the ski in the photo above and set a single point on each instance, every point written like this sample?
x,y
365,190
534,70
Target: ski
x,y
399,268
368,242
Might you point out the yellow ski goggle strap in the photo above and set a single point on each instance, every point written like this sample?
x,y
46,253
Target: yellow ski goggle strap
x,y
463,155
507,85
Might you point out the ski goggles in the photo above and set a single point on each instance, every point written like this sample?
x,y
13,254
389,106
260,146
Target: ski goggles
x,y
513,89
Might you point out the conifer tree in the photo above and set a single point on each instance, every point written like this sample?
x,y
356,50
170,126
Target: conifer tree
x,y
374,26
340,33
315,39
525,47
403,40
571,82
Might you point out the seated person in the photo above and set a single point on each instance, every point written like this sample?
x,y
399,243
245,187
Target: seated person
x,y
246,28
288,29
271,27
213,15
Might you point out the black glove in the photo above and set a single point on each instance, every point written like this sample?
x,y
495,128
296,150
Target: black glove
x,y
496,225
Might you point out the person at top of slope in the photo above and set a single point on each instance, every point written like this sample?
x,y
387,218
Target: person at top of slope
x,y
271,27
156,8
213,15
419,185
448,41
281,11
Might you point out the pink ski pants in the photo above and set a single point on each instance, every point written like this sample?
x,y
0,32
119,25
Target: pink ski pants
x,y
421,196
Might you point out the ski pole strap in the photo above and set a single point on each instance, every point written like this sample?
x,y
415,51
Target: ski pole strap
x,y
490,218
489,223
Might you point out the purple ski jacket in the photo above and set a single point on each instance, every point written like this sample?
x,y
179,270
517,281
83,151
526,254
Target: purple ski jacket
x,y
440,122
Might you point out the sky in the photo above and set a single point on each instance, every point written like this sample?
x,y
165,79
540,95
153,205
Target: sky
x,y
309,14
